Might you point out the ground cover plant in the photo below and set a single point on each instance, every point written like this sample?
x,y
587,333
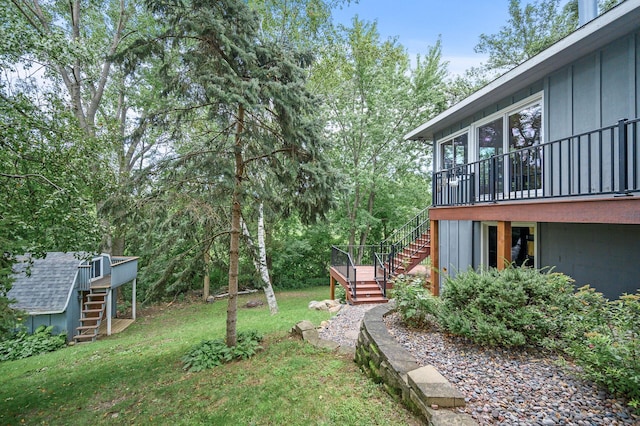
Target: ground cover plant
x,y
213,353
23,344
137,377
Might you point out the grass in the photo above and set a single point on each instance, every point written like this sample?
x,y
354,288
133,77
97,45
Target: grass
x,y
136,377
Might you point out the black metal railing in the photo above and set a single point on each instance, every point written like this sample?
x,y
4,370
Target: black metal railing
x,y
383,257
600,162
380,272
402,238
342,261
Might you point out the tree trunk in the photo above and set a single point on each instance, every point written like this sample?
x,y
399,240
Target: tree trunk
x,y
234,245
264,271
260,263
206,285
365,233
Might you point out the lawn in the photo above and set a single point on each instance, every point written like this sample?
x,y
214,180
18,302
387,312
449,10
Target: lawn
x,y
136,377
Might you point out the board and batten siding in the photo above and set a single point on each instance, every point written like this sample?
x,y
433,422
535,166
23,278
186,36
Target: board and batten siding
x,y
455,247
595,91
604,256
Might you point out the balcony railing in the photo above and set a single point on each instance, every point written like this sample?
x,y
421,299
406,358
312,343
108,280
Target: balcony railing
x,y
603,161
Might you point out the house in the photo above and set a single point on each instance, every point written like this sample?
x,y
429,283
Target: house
x,y
73,292
542,166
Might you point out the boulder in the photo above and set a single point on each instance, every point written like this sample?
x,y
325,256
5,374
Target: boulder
x,y
254,303
325,305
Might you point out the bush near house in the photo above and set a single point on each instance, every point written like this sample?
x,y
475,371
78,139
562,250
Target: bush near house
x,y
417,306
528,307
512,307
603,337
24,345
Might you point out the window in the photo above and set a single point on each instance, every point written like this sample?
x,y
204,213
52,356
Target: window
x,y
490,139
525,128
454,152
516,132
96,268
512,138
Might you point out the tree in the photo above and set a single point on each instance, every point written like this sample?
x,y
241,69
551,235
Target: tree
x,y
45,202
72,46
255,90
371,97
530,30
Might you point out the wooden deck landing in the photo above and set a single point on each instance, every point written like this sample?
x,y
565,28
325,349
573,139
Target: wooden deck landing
x,y
117,325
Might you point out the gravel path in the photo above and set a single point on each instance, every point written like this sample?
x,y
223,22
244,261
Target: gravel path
x,y
344,327
504,387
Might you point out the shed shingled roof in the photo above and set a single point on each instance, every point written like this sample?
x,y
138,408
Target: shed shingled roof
x,y
48,287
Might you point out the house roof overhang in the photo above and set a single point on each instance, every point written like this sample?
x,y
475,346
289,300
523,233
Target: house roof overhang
x,y
594,35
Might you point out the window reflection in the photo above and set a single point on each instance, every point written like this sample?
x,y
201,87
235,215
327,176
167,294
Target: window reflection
x,y
526,165
455,152
490,139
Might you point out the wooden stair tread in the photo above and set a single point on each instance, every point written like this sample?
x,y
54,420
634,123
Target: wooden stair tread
x,y
84,337
87,327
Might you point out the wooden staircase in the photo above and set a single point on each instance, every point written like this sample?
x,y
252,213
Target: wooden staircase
x,y
399,254
411,256
367,292
93,311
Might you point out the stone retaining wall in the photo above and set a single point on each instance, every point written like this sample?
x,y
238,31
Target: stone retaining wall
x,y
422,389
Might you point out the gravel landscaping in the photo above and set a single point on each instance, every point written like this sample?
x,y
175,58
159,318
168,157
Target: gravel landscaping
x,y
504,387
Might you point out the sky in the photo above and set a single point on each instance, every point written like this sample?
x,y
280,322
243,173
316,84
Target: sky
x,y
418,23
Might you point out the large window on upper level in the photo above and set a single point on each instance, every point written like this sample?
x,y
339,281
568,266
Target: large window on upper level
x,y
515,131
509,130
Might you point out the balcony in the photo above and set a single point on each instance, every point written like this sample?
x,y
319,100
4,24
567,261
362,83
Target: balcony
x,y
597,163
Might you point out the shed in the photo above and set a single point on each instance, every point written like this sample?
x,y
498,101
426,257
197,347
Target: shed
x,y
71,291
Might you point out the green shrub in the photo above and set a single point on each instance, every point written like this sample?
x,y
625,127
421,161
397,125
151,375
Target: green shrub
x,y
513,307
340,294
212,353
24,345
603,337
415,303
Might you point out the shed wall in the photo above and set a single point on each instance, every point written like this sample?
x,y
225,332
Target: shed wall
x,y
58,321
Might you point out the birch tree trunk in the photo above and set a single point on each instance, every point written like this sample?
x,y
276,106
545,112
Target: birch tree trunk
x,y
259,258
264,271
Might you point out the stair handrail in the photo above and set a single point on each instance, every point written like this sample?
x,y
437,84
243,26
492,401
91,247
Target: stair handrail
x,y
380,272
343,263
403,237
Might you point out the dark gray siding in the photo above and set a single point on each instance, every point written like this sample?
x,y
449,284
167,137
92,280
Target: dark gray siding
x,y
456,246
601,255
595,91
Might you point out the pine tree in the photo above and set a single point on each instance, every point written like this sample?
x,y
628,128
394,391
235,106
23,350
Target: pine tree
x,y
255,90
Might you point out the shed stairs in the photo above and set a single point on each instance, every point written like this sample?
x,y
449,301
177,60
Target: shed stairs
x,y
93,311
